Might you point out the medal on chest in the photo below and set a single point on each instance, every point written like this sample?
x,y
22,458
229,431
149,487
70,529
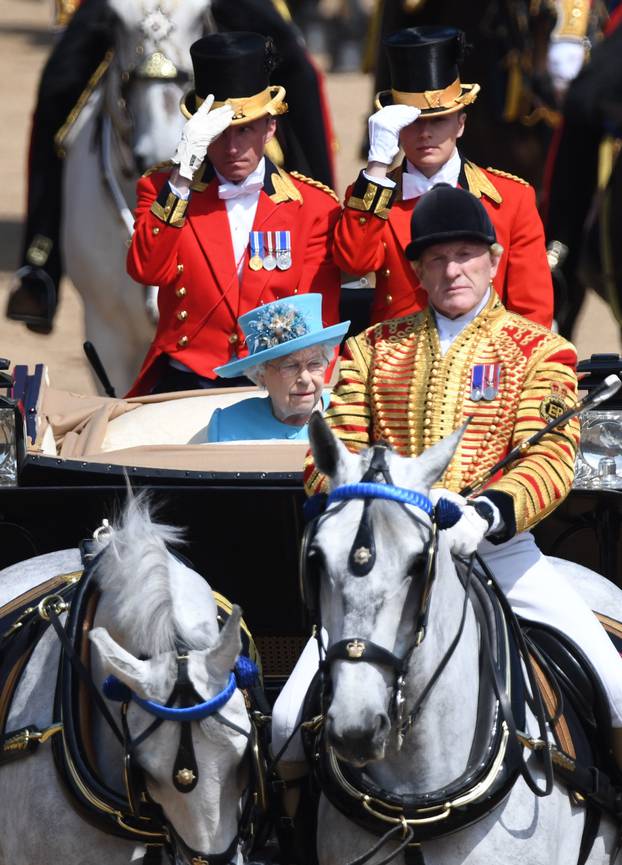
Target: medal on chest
x,y
255,261
270,250
485,381
283,250
269,260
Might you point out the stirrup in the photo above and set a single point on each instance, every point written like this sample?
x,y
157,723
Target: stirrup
x,y
43,289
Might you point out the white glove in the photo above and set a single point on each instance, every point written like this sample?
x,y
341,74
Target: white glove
x,y
467,534
384,131
197,135
564,62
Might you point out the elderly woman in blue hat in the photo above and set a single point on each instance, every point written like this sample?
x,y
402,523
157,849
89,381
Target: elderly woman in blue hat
x,y
288,354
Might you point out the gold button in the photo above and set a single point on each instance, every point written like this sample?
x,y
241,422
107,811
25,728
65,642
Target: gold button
x,y
233,338
362,220
386,272
181,291
182,315
182,342
389,298
384,244
295,291
155,230
180,268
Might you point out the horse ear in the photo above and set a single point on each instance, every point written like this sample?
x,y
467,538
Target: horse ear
x,y
428,467
331,456
118,661
221,657
150,679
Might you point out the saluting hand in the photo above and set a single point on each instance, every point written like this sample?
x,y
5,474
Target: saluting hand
x,y
384,131
197,135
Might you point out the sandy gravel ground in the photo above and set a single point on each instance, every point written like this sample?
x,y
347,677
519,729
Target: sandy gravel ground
x,y
25,40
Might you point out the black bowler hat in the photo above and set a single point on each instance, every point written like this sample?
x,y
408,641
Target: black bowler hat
x,y
424,67
448,213
236,68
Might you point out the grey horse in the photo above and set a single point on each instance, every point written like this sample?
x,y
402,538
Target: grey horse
x,y
148,602
523,829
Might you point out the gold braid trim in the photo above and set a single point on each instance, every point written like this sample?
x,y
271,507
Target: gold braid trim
x,y
84,97
159,166
318,184
573,17
507,174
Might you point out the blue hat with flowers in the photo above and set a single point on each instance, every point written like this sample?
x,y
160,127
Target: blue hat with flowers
x,y
282,327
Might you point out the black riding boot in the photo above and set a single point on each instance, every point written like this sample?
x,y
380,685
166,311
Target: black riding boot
x,y
33,296
297,835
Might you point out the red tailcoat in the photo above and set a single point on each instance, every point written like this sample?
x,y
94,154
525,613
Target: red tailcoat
x,y
186,250
373,232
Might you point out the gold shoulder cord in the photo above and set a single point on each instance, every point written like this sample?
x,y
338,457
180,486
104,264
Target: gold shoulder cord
x,y
507,174
316,183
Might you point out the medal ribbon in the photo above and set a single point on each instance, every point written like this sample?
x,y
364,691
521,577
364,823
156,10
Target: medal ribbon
x,y
270,242
256,239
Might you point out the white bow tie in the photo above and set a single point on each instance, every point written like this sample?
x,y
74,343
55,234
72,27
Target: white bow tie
x,y
227,191
414,185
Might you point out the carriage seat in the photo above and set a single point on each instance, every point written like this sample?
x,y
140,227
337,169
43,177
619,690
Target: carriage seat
x,y
172,421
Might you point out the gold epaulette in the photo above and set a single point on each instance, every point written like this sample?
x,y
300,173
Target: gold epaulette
x,y
508,175
318,184
159,166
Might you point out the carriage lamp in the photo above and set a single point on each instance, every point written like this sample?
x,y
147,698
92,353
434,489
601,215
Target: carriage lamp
x,y
12,430
11,426
599,458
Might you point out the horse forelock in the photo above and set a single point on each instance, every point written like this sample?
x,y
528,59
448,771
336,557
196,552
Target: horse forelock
x,y
133,572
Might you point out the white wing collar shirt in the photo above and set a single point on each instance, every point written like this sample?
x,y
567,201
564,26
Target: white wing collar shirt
x,y
241,201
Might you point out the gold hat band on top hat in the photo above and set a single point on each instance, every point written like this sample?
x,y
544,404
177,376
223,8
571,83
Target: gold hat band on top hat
x,y
451,98
245,108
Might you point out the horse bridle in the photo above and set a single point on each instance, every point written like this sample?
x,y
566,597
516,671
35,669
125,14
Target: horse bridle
x,y
185,772
377,483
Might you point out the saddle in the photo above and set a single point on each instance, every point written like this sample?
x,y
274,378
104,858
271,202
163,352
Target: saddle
x,y
577,710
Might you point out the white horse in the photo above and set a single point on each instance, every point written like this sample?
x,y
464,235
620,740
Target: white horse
x,y
379,609
150,604
131,122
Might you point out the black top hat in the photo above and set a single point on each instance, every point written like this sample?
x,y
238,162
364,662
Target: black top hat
x,y
423,63
236,68
448,213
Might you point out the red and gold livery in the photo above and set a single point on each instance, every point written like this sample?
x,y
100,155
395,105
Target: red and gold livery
x,y
395,385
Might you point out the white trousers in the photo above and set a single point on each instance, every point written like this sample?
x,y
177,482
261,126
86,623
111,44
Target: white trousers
x,y
535,591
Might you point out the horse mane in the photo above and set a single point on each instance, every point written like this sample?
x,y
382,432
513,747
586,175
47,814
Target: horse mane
x,y
133,570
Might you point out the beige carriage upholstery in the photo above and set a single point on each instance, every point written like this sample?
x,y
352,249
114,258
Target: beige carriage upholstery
x,y
161,431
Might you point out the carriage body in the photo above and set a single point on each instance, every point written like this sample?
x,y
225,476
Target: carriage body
x,y
241,503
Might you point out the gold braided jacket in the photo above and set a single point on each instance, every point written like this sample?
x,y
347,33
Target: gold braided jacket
x,y
396,386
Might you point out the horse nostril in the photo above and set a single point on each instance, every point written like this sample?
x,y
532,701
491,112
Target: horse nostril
x,y
381,726
141,163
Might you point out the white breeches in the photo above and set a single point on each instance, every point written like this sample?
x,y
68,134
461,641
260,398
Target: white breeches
x,y
535,591
540,593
